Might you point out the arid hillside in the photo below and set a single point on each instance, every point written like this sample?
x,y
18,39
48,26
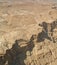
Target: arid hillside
x,y
28,33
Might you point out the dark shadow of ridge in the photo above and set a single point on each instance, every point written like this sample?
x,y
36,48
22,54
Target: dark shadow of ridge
x,y
16,55
46,32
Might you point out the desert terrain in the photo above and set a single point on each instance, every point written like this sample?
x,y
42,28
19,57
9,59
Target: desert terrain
x,y
19,30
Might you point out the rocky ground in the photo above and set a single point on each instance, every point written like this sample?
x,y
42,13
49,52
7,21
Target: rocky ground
x,y
21,21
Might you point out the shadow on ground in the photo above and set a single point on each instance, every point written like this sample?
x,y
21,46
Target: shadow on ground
x,y
47,32
16,55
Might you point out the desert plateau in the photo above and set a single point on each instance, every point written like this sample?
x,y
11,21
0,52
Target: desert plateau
x,y
28,32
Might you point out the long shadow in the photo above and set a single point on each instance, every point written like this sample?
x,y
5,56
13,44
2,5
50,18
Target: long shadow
x,y
16,55
45,32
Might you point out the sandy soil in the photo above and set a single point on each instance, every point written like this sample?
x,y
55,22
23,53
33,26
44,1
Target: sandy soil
x,y
21,21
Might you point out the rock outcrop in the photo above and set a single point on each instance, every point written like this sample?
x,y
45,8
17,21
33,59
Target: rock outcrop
x,y
32,51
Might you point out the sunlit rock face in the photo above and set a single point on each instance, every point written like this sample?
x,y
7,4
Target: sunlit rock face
x,y
30,51
19,33
3,46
